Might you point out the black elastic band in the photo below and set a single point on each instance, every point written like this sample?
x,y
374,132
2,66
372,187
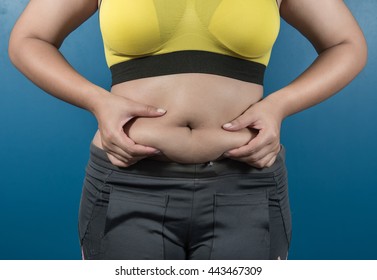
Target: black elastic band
x,y
188,62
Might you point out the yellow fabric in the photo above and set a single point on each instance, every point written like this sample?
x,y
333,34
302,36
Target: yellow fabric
x,y
245,29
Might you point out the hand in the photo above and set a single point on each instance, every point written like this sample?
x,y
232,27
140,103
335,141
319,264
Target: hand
x,y
112,114
261,151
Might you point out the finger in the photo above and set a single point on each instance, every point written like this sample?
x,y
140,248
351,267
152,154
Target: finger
x,y
124,158
266,152
263,141
116,151
255,145
134,154
117,162
271,162
116,141
138,150
266,161
126,147
240,122
124,161
134,149
273,159
253,157
143,110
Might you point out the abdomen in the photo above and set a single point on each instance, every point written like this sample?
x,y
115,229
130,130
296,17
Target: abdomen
x,y
197,106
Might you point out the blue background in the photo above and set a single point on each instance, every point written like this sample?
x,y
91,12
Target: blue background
x,y
332,154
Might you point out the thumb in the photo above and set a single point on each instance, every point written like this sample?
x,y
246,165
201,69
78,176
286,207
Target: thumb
x,y
238,123
142,110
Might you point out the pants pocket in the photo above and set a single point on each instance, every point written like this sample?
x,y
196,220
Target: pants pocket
x,y
241,226
87,202
134,225
93,207
281,198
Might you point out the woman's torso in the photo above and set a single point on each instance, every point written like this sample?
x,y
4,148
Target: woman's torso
x,y
197,106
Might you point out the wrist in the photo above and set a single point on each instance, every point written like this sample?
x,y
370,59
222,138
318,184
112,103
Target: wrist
x,y
285,102
278,105
96,101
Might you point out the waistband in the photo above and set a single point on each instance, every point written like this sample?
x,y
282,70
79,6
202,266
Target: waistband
x,y
155,168
188,62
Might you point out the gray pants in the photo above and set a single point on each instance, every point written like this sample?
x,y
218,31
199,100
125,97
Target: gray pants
x,y
162,210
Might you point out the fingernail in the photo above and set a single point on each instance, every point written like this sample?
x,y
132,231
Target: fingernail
x,y
157,152
161,111
226,155
227,125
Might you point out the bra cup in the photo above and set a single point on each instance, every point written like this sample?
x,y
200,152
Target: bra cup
x,y
250,30
132,28
137,28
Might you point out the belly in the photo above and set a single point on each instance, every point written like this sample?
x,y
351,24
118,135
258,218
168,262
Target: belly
x,y
197,106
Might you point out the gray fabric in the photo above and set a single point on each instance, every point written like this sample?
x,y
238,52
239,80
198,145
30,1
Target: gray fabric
x,y
162,210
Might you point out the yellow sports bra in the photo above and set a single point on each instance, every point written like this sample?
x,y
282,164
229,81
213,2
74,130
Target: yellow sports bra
x,y
144,38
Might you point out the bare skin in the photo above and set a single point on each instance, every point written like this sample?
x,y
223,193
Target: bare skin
x,y
197,106
232,120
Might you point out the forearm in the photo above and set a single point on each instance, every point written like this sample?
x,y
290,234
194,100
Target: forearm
x,y
333,69
45,66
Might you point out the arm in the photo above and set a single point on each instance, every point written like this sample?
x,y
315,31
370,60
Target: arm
x,y
33,49
342,53
340,44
